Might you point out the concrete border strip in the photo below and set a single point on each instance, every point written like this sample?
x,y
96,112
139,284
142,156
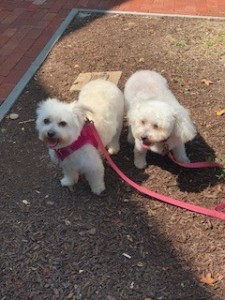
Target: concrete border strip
x,y
149,14
15,93
13,96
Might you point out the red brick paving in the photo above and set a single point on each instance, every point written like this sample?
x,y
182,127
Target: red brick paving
x,y
27,25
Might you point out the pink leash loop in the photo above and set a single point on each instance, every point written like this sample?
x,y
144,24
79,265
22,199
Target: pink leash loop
x,y
191,207
219,207
196,165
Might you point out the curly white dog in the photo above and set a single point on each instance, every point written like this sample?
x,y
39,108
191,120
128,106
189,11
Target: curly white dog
x,y
156,119
62,127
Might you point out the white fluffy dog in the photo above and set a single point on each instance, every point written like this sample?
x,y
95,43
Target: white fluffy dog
x,y
156,119
60,125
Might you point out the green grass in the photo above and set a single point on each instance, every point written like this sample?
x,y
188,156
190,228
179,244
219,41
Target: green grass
x,y
221,176
217,43
181,43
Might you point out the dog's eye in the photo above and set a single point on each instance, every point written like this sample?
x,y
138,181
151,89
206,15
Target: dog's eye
x,y
143,122
62,123
155,126
46,121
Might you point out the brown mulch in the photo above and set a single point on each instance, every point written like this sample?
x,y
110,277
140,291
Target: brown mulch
x,y
55,244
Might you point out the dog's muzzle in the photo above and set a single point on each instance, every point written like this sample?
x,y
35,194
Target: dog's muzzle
x,y
51,139
146,142
51,133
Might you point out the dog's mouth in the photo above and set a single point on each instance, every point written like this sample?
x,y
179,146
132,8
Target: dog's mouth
x,y
146,144
52,142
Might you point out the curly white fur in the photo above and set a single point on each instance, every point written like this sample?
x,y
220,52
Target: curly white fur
x,y
156,119
59,124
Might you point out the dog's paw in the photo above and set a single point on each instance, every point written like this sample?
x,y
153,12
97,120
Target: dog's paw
x,y
113,150
66,181
183,160
140,164
98,189
181,157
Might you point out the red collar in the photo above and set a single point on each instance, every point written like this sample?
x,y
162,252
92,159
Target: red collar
x,y
84,138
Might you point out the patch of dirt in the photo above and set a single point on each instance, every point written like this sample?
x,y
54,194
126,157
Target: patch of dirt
x,y
61,245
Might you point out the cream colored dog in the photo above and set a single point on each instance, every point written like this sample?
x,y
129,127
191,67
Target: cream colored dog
x,y
61,127
156,120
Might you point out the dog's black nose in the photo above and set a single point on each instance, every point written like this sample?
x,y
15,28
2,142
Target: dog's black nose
x,y
51,133
144,138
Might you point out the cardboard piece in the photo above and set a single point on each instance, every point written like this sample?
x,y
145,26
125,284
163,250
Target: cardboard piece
x,y
84,78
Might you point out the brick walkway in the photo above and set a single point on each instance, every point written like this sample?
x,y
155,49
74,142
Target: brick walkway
x,y
27,25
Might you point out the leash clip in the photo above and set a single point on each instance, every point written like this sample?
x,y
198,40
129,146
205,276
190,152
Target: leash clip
x,y
87,121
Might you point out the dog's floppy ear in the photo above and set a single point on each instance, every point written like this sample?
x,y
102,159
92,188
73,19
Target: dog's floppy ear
x,y
41,105
185,129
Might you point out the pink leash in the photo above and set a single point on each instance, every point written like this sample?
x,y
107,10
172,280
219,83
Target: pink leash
x,y
197,165
216,213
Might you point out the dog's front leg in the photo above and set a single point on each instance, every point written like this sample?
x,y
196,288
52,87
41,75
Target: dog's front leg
x,y
95,175
114,145
139,156
179,153
70,178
